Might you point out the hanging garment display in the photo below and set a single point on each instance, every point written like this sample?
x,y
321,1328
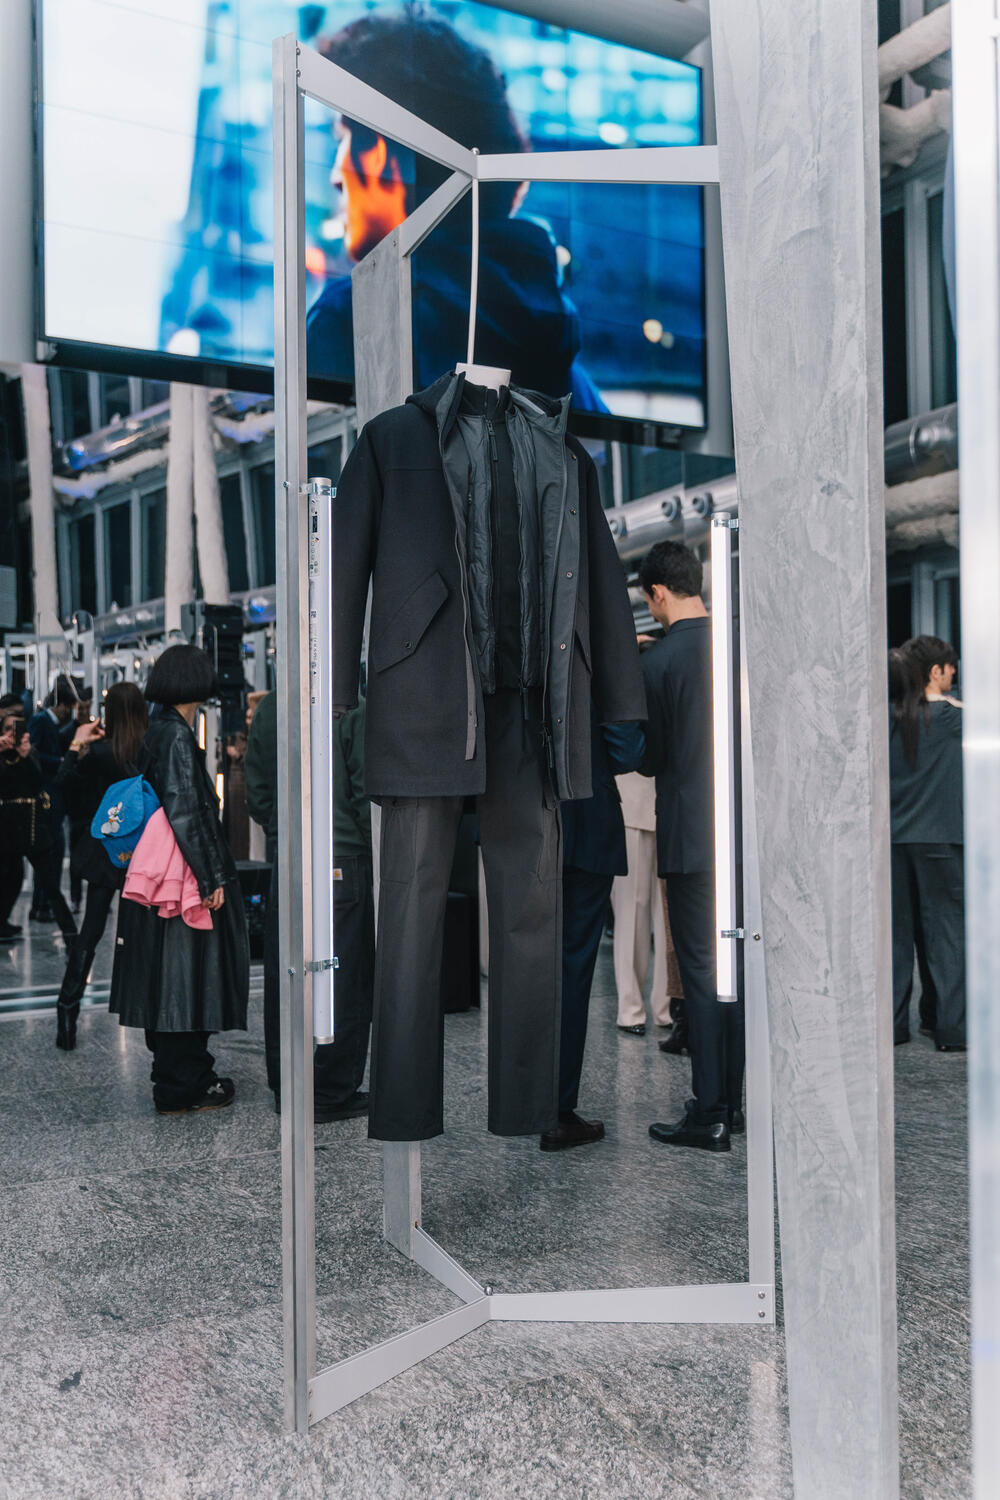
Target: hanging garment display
x,y
499,607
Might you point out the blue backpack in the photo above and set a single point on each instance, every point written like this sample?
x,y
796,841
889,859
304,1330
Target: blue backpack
x,y
121,817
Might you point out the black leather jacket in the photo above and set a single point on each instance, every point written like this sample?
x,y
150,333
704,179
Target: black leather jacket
x,y
174,766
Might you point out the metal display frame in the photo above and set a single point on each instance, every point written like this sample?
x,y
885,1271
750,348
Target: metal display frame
x,y
312,1394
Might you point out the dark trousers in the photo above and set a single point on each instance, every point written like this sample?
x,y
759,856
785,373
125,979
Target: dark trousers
x,y
182,1067
928,888
585,905
520,835
716,1035
338,1066
11,879
46,882
48,871
81,953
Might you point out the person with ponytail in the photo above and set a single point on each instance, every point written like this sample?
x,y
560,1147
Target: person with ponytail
x,y
98,757
925,780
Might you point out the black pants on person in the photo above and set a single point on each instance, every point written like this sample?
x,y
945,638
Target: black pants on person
x,y
183,1067
520,836
81,956
585,905
716,1035
48,873
338,1066
928,887
11,880
47,882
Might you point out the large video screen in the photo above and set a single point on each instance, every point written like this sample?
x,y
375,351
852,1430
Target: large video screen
x,y
157,218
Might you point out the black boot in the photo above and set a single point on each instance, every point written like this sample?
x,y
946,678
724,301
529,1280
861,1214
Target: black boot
x,y
66,1025
71,993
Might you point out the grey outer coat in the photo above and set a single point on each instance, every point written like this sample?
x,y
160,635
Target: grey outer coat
x,y
168,976
400,522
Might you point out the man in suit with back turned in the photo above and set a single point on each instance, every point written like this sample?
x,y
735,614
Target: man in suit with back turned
x,y
679,753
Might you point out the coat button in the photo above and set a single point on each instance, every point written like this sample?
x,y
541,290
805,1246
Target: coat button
x,y
562,646
406,645
569,575
558,721
572,510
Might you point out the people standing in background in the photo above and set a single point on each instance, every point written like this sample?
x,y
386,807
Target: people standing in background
x,y
639,912
181,983
925,782
11,864
25,824
594,852
679,753
338,1066
98,757
50,731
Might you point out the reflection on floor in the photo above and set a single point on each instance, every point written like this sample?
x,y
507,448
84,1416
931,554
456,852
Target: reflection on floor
x,y
140,1312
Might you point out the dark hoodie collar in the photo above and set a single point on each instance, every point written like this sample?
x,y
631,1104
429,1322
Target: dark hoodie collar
x,y
443,399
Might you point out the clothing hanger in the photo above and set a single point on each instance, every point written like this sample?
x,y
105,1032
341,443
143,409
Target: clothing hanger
x,y
490,376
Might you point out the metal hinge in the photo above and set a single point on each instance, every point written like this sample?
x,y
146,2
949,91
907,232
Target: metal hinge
x,y
731,522
734,932
321,965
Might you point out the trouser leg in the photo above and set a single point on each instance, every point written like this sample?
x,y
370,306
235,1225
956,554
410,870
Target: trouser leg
x,y
521,835
42,867
182,1067
625,893
928,1003
272,1004
659,999
81,953
904,901
691,902
339,1066
585,900
11,878
407,1071
940,878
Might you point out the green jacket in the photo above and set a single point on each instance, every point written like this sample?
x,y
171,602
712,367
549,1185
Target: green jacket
x,y
352,833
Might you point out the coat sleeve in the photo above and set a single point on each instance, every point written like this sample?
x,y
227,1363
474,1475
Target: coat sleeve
x,y
45,742
625,745
617,683
261,762
71,780
356,512
654,760
179,785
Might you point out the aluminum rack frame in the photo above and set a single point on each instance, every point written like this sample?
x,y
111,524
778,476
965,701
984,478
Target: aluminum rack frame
x,y
382,282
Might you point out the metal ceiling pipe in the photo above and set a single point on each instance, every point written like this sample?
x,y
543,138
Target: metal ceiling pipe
x,y
676,515
922,445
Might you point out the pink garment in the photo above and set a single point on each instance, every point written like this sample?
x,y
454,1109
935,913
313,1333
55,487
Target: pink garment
x,y
158,875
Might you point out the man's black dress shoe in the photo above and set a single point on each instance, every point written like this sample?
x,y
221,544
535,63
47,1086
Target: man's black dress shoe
x,y
676,1044
737,1122
572,1131
951,1046
688,1132
639,1030
351,1109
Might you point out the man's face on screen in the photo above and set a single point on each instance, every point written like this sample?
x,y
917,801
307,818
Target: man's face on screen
x,y
373,193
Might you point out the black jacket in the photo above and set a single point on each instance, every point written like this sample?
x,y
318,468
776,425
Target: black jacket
x,y
593,828
400,521
167,975
679,746
83,780
21,783
926,799
48,740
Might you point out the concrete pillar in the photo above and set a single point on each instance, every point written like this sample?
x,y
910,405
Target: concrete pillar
x,y
212,562
38,438
797,117
178,583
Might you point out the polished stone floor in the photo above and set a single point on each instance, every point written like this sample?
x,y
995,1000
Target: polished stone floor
x,y
140,1314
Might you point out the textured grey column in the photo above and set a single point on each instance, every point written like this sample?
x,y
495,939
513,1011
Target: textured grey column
x,y
797,115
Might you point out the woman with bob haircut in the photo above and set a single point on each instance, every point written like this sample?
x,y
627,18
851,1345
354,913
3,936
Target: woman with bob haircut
x,y
176,982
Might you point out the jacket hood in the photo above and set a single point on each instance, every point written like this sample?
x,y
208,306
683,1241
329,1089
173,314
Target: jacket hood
x,y
443,399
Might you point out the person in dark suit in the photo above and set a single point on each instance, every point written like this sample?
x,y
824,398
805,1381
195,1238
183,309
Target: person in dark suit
x,y
679,753
50,732
593,854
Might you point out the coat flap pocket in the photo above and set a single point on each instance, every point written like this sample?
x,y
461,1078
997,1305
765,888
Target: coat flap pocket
x,y
401,637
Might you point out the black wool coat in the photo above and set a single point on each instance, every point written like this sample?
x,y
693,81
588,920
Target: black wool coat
x,y
169,976
680,746
399,524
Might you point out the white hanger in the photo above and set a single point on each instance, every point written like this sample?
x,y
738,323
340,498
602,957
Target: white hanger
x,y
490,376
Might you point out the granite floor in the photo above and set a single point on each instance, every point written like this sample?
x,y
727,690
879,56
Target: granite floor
x,y
140,1317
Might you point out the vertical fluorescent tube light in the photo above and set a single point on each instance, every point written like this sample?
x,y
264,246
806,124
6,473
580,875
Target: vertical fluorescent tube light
x,y
320,493
725,780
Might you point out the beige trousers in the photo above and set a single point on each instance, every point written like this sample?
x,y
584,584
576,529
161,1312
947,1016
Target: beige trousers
x,y
640,915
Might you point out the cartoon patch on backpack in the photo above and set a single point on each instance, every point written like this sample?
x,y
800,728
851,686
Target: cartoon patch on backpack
x,y
112,827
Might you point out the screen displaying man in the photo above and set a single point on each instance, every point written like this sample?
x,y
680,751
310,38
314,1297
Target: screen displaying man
x,y
526,322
